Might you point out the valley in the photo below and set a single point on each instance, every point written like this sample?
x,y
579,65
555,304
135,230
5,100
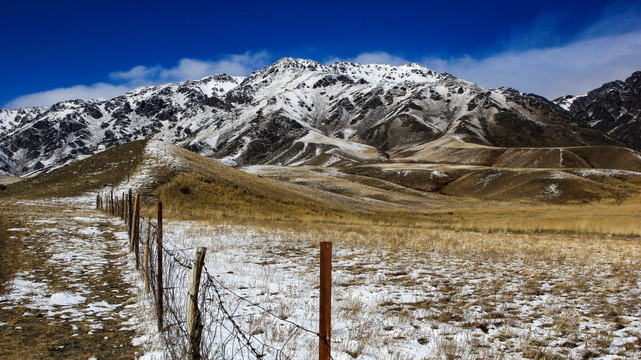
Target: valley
x,y
422,272
466,222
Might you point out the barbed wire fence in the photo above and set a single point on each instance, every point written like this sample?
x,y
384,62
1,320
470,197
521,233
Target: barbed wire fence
x,y
215,321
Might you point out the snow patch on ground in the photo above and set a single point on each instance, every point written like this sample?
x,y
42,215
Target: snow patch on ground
x,y
66,299
437,174
360,151
157,153
485,181
552,190
605,172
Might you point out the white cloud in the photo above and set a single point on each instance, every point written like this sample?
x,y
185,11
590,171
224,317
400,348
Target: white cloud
x,y
193,69
552,72
123,81
380,57
606,50
50,97
377,57
137,74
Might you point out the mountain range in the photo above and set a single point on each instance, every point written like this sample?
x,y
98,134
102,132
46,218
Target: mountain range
x,y
300,112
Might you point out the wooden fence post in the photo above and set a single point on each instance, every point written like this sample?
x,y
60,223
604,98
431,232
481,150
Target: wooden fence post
x,y
325,328
125,215
129,213
131,227
146,257
159,280
137,231
194,321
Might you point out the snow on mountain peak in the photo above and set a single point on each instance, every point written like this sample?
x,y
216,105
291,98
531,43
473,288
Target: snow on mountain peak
x,y
371,73
565,102
292,109
219,84
379,73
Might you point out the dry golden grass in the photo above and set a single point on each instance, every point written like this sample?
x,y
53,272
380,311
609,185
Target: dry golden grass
x,y
240,198
11,258
400,226
597,218
189,198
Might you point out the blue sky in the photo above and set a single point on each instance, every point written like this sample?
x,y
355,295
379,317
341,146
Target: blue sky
x,y
57,50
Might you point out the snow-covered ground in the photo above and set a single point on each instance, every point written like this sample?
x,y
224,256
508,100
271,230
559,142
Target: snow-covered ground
x,y
77,282
435,302
443,295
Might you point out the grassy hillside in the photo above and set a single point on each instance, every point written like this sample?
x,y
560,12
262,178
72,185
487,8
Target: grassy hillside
x,y
189,185
201,188
388,197
456,152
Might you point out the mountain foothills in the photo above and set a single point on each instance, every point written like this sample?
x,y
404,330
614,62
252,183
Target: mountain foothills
x,y
300,112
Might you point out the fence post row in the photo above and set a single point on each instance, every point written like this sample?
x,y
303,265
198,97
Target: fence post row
x,y
131,214
325,323
194,321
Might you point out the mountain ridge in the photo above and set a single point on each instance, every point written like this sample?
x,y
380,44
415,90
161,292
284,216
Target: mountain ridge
x,y
613,108
293,112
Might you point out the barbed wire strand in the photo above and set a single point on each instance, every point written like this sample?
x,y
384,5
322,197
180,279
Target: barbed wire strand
x,y
176,266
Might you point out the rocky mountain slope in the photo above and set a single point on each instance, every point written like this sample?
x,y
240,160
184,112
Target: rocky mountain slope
x,y
294,112
613,109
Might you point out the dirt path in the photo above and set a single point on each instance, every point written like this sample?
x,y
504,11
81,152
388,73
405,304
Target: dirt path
x,y
70,293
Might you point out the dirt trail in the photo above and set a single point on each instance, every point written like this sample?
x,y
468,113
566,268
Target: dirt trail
x,y
69,291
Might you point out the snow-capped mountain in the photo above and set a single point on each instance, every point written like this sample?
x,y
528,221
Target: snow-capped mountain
x,y
613,109
293,112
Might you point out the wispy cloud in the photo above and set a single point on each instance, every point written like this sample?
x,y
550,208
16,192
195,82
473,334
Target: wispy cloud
x,y
193,69
607,49
50,97
573,68
141,75
535,59
376,57
552,72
